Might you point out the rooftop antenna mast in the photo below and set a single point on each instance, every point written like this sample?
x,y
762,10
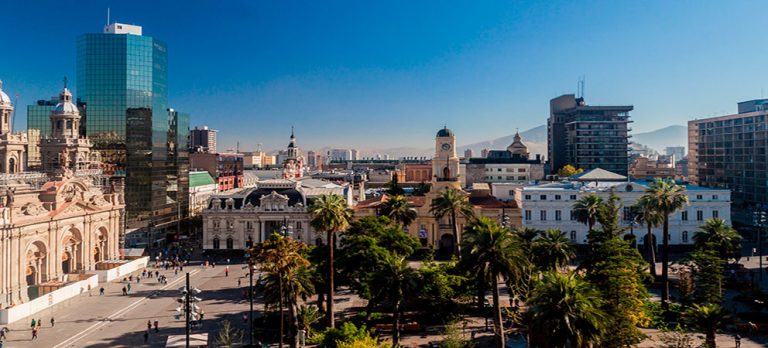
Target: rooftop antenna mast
x,y
107,16
258,147
237,149
580,86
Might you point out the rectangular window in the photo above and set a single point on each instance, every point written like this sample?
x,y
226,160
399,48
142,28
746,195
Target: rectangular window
x,y
557,197
714,197
685,237
543,197
715,214
627,214
527,215
684,215
573,197
573,216
511,192
528,197
699,215
558,215
543,215
573,236
699,197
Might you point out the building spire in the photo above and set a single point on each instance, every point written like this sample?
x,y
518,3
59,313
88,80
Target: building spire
x,y
65,82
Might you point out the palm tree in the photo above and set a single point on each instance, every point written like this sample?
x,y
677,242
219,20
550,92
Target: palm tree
x,y
308,316
586,209
330,214
399,210
494,252
286,277
651,218
708,318
665,197
395,281
553,250
452,203
564,311
719,235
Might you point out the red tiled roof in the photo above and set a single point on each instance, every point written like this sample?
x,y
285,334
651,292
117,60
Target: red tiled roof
x,y
490,202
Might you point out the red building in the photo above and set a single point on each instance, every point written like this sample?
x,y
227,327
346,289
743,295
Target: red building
x,y
225,168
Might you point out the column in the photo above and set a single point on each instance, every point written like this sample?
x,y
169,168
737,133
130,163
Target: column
x,y
261,231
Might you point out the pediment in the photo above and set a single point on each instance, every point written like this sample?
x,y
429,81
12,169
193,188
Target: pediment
x,y
73,208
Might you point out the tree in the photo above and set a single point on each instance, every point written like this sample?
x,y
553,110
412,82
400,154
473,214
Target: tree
x,y
393,187
552,251
493,252
395,281
564,311
308,316
228,336
286,276
399,210
718,235
586,208
665,197
330,214
452,203
651,218
707,268
568,170
421,189
708,318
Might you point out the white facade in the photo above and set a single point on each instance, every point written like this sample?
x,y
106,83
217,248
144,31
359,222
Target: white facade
x,y
120,28
549,206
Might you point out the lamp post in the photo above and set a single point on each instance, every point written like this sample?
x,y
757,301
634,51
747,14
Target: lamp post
x,y
250,299
759,218
186,311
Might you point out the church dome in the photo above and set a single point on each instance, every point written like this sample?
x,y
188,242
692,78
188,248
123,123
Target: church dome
x,y
4,98
445,132
65,105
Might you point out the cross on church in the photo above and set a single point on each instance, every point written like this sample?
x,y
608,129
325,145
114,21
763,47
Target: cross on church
x,y
65,82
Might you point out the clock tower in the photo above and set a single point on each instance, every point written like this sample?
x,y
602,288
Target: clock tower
x,y
445,164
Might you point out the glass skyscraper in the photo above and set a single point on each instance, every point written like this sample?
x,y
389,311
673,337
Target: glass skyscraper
x,y
122,81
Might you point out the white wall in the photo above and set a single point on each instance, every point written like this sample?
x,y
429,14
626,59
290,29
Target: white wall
x,y
26,309
120,271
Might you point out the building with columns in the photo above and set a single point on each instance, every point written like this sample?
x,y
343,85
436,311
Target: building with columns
x,y
13,147
56,224
238,219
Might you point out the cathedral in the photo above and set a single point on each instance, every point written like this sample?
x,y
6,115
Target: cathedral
x,y
438,233
58,223
293,165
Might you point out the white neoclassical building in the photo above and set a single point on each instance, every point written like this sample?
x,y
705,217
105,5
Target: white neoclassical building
x,y
57,224
237,219
550,206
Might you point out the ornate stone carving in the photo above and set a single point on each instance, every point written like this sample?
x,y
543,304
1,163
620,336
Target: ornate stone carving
x,y
32,209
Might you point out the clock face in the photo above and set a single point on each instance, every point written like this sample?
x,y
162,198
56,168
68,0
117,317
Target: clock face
x,y
446,146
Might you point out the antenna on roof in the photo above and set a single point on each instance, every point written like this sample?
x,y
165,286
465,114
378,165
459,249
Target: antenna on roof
x,y
580,86
107,16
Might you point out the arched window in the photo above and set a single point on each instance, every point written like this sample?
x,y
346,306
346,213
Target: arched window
x,y
230,243
216,243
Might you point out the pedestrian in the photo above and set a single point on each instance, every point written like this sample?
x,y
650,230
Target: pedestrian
x,y
245,319
130,278
39,323
53,322
2,334
157,273
138,280
89,290
149,325
737,338
129,287
227,261
125,292
101,291
34,323
226,271
175,271
213,265
238,282
157,326
202,314
146,336
34,334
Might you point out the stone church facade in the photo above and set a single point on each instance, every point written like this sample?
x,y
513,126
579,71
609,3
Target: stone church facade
x,y
56,224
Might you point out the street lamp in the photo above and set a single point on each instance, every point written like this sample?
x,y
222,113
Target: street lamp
x,y
759,219
190,308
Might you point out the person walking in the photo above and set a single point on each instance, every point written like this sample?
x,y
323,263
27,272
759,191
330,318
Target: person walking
x,y
2,334
101,291
53,322
34,333
39,323
146,336
157,326
238,282
129,287
149,325
34,323
226,271
125,292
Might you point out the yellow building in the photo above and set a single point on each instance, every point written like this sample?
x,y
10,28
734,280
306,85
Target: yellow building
x,y
438,233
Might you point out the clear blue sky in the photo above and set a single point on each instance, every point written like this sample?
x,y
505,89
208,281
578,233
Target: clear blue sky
x,y
390,74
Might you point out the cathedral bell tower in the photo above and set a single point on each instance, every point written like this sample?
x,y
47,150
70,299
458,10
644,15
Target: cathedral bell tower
x,y
445,163
64,149
13,147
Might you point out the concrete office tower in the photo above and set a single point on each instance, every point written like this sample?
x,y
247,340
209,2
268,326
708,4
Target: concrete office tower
x,y
730,152
202,139
587,136
122,78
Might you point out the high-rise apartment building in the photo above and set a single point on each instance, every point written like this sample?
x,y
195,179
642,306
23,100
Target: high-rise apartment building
x,y
730,152
202,139
677,151
122,79
586,136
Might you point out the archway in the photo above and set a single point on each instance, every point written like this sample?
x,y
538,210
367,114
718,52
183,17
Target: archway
x,y
101,248
230,243
12,165
446,173
71,251
445,246
36,268
216,243
66,262
96,254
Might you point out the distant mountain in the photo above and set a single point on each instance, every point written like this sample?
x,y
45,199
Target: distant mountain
x,y
536,140
661,138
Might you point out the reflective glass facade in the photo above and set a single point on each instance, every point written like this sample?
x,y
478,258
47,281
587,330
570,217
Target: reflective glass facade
x,y
122,80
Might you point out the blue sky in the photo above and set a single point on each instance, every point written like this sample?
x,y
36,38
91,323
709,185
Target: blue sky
x,y
390,73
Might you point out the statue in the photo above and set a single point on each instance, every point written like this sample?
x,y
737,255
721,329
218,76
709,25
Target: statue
x,y
64,159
